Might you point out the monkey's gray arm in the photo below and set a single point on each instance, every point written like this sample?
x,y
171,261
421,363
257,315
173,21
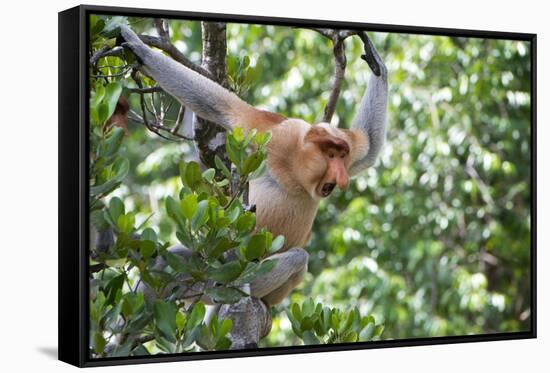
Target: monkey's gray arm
x,y
371,115
203,96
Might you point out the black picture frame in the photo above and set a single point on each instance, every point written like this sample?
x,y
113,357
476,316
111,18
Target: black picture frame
x,y
73,184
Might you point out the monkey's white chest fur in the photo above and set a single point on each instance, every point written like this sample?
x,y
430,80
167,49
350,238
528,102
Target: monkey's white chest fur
x,y
282,213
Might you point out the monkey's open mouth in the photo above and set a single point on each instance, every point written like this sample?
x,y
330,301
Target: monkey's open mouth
x,y
327,189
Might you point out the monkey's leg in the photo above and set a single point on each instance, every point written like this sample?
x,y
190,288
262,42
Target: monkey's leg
x,y
288,273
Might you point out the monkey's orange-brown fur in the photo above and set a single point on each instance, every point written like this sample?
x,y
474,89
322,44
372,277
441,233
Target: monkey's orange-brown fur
x,y
120,116
299,165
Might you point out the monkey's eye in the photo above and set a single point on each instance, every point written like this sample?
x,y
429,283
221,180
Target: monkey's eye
x,y
331,155
342,156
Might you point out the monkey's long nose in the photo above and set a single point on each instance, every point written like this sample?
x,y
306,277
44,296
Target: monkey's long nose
x,y
342,180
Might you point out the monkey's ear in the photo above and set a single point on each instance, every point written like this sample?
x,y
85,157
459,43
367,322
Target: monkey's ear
x,y
325,140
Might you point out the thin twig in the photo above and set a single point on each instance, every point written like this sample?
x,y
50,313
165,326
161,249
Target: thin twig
x,y
337,78
179,120
154,89
338,49
338,37
122,73
104,52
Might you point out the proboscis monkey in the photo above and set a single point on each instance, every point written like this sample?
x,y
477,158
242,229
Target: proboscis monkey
x,y
305,161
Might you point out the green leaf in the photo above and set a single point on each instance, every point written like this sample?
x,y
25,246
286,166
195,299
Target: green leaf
x,y
310,338
177,263
296,312
149,279
367,333
223,344
308,307
238,134
225,327
233,214
256,246
113,287
140,351
102,112
221,166
334,320
99,343
123,349
246,222
295,323
96,26
378,330
350,337
245,62
181,320
201,215
120,168
147,248
94,116
112,94
193,176
325,317
185,238
174,211
226,272
224,295
131,303
99,220
116,208
222,246
277,244
252,163
189,205
307,323
209,174
349,321
182,166
196,317
165,319
112,143
235,152
259,172
125,223
255,270
149,234
263,138
112,26
98,95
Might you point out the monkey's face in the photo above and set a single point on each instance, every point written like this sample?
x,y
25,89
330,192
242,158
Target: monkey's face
x,y
326,160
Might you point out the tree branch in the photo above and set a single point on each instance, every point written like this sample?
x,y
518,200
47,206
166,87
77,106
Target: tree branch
x,y
157,125
338,50
104,52
155,89
210,137
339,55
338,37
172,51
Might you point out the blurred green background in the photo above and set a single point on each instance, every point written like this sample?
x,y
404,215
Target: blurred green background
x,y
434,240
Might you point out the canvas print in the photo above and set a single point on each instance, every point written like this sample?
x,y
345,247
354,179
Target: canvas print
x,y
259,186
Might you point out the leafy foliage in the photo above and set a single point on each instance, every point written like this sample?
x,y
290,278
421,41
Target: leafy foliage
x,y
210,220
316,324
433,241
